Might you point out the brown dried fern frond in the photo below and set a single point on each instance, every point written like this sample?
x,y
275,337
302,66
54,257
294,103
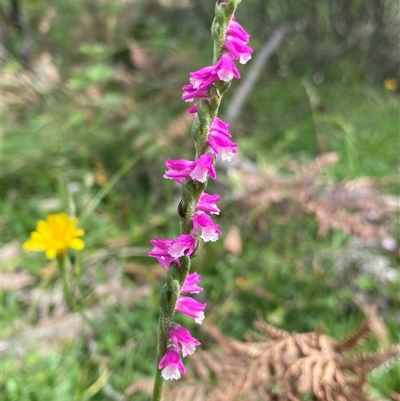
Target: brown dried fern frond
x,y
282,366
374,360
356,207
271,331
358,336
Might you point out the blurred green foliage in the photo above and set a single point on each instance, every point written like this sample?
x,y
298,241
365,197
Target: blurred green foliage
x,y
86,107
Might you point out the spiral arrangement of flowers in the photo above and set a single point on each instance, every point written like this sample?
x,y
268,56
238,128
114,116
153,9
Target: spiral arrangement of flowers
x,y
211,138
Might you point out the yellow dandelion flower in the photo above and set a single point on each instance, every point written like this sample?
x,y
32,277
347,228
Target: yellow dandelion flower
x,y
55,236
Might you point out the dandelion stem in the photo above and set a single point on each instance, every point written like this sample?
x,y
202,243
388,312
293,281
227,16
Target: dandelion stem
x,y
63,264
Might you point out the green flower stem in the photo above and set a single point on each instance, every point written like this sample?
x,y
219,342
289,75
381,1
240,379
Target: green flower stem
x,y
168,299
158,383
161,347
63,264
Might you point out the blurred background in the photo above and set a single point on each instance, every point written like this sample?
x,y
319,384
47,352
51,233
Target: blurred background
x,y
91,108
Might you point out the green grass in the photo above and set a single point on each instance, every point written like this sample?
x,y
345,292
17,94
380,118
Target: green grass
x,y
67,137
